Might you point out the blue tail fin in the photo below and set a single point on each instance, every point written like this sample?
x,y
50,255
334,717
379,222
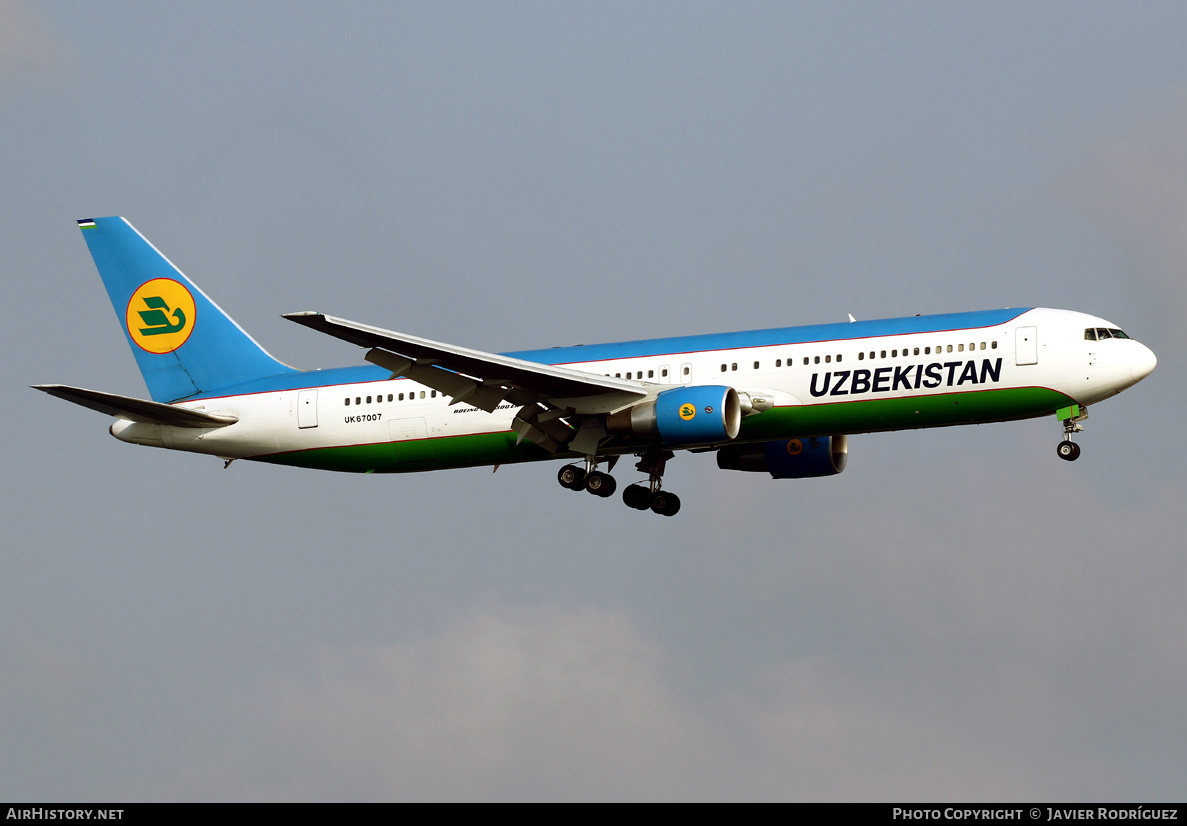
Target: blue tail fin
x,y
183,342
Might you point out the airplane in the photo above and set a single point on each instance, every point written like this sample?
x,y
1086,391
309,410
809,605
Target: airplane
x,y
778,401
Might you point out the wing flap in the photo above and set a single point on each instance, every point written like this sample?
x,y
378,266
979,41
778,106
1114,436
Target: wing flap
x,y
478,378
136,410
458,387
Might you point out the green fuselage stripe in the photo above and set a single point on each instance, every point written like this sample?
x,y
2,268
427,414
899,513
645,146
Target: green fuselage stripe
x,y
779,423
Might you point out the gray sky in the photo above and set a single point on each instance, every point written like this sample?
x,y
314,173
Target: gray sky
x,y
958,616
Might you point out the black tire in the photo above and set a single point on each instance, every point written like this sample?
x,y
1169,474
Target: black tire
x,y
571,477
609,485
673,505
1068,451
637,497
661,502
600,484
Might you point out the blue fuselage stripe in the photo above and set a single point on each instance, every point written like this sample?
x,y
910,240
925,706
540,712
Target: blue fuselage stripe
x,y
676,346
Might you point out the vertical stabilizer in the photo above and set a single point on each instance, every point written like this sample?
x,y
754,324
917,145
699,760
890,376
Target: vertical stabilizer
x,y
184,343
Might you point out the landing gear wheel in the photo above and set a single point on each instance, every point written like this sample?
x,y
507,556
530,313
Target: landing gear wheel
x,y
1069,451
637,497
664,503
571,477
600,484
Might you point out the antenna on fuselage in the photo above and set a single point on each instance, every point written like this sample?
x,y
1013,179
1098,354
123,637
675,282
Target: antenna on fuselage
x,y
851,318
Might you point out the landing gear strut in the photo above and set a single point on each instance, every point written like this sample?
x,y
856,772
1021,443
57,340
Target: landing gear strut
x,y
1067,449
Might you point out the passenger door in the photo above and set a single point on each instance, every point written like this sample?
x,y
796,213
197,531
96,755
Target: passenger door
x,y
1026,345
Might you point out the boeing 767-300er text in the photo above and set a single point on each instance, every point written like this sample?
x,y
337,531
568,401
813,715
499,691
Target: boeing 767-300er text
x,y
778,401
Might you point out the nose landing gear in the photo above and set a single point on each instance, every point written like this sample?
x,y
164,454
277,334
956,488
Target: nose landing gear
x,y
1072,417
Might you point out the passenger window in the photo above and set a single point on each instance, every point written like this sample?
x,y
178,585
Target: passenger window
x,y
664,372
828,359
756,365
883,354
723,368
650,374
401,397
348,402
778,362
861,356
734,366
993,345
805,361
816,360
358,400
838,356
949,348
686,371
894,354
916,351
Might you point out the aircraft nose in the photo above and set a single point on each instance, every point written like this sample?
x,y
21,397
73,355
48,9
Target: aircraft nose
x,y
1143,363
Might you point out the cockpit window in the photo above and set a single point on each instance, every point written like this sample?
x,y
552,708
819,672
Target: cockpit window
x,y
1101,333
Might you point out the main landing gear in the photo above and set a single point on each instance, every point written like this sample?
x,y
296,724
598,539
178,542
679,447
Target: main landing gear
x,y
638,496
1069,450
588,478
650,496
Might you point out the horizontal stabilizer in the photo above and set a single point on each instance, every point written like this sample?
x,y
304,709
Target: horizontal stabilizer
x,y
136,410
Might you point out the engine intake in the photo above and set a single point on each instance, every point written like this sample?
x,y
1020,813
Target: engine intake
x,y
682,416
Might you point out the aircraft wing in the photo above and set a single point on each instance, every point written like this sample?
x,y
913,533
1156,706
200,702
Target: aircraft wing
x,y
481,379
136,410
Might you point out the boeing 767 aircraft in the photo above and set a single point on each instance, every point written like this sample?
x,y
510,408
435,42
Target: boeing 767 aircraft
x,y
779,401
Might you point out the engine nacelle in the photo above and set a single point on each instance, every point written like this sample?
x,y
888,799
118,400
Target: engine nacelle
x,y
683,416
788,458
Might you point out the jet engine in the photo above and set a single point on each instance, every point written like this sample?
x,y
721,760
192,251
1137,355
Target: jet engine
x,y
788,458
682,416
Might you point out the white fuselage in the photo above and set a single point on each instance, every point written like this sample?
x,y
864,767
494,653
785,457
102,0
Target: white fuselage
x,y
1041,348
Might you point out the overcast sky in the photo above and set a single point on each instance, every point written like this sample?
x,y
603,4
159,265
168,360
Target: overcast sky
x,y
958,616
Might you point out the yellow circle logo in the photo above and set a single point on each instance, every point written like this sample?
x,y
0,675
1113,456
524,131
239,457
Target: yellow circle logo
x,y
687,412
160,315
794,446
